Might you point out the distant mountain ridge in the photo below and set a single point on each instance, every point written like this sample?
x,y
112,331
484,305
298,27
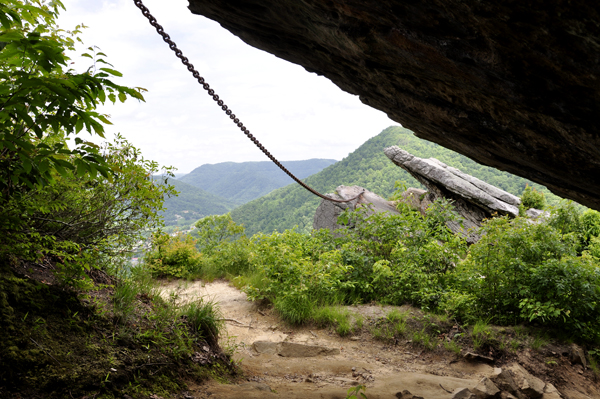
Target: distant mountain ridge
x,y
245,181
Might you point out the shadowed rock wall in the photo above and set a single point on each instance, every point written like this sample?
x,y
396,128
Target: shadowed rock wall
x,y
514,85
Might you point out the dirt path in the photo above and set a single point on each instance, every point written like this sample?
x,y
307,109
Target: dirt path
x,y
385,369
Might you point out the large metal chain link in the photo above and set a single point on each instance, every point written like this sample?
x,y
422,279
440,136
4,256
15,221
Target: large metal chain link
x,y
220,102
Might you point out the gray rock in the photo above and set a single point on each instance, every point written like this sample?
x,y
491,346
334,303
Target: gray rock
x,y
576,355
476,191
456,72
527,384
267,347
550,392
327,213
504,380
463,393
533,213
485,389
473,199
291,349
407,395
414,197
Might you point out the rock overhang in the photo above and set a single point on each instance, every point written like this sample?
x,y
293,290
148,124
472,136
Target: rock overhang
x,y
512,85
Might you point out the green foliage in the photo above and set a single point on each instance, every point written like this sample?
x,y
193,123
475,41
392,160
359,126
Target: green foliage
x,y
481,333
583,225
532,198
590,220
501,263
40,97
539,341
172,255
357,392
400,258
85,221
336,316
424,339
135,332
75,203
566,218
518,272
298,274
522,271
204,317
213,230
124,297
593,249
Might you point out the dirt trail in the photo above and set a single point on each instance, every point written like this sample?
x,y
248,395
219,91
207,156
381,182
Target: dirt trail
x,y
384,369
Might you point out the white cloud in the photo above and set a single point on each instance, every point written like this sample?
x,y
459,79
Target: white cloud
x,y
296,114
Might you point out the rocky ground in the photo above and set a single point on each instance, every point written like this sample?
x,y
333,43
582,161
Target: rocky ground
x,y
279,361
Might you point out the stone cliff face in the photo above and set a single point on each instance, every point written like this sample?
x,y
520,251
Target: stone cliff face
x,y
514,85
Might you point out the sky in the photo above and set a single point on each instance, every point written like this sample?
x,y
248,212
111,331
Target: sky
x,y
295,114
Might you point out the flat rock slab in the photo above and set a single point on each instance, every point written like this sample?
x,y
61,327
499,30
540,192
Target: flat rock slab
x,y
267,347
433,172
292,349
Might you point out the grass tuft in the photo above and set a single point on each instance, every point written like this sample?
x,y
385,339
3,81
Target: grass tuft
x,y
481,333
204,317
337,316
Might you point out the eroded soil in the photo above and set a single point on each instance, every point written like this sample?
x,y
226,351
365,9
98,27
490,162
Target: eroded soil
x,y
385,368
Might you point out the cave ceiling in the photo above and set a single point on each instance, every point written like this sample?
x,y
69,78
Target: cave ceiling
x,y
513,85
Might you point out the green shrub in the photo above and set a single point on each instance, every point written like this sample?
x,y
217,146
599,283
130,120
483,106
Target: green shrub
x,y
213,230
172,256
205,319
566,218
565,293
498,269
590,220
531,198
295,307
481,334
593,249
528,272
460,305
400,258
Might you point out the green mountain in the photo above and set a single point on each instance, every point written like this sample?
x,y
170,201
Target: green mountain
x,y
191,204
367,167
245,181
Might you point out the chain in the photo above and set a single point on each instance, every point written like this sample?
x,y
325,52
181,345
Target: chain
x,y
220,102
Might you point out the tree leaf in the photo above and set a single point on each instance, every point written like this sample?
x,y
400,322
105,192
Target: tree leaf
x,y
112,72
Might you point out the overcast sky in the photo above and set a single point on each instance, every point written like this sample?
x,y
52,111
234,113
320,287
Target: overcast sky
x,y
295,114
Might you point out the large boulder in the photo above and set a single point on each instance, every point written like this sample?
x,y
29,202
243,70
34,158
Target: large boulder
x,y
532,387
474,199
513,85
327,213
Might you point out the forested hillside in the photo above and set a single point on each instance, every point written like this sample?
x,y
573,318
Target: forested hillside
x,y
367,167
191,204
245,181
